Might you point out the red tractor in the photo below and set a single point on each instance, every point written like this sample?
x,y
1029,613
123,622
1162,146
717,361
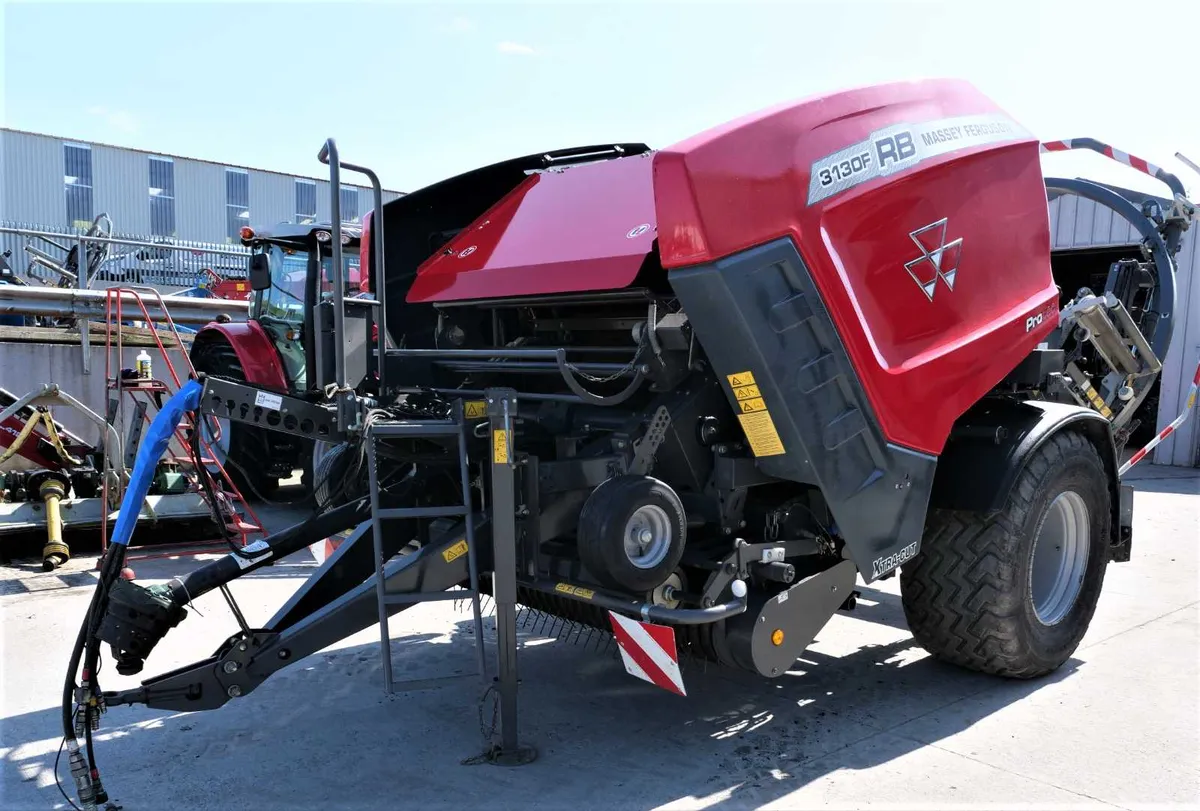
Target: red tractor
x,y
271,349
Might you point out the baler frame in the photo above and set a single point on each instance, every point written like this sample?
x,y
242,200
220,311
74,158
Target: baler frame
x,y
342,597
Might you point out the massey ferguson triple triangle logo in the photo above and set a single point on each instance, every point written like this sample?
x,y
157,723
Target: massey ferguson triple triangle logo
x,y
938,259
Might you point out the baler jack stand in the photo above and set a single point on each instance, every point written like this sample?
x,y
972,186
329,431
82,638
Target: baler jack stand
x,y
505,750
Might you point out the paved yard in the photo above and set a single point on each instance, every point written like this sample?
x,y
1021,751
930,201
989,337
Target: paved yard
x,y
866,719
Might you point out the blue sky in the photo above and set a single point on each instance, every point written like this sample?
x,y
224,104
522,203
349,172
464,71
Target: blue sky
x,y
421,91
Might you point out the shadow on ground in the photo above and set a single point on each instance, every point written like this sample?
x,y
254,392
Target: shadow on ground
x,y
322,733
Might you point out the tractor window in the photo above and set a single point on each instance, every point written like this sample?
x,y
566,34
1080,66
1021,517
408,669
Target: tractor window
x,y
285,298
350,274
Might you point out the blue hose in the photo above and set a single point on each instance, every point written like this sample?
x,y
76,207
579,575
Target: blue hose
x,y
153,446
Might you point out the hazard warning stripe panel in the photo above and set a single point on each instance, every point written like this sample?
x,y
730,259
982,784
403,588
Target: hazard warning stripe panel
x,y
1132,161
648,652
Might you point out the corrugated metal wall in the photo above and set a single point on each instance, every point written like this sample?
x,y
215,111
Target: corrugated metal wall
x,y
120,188
1080,223
33,179
31,190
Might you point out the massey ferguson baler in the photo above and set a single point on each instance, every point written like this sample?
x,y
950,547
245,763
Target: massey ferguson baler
x,y
692,395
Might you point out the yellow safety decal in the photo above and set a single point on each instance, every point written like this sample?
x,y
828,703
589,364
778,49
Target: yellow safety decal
x,y
455,552
500,447
474,409
578,591
741,379
746,393
760,432
1100,405
750,406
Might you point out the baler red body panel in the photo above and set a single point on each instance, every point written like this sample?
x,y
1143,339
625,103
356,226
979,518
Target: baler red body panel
x,y
584,228
923,358
926,346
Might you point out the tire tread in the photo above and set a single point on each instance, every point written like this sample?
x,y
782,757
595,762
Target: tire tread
x,y
960,593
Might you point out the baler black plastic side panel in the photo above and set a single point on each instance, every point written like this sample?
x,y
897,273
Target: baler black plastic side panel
x,y
759,312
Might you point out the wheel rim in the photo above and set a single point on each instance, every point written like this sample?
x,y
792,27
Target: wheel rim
x,y
1060,557
647,536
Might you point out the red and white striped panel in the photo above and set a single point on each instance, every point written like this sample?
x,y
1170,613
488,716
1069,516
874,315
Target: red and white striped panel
x,y
1132,161
648,652
1170,429
322,550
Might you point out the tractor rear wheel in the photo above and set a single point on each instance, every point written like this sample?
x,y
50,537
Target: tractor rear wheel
x,y
241,449
1012,593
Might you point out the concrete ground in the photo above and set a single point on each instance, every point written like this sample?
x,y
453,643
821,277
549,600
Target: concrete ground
x,y
866,719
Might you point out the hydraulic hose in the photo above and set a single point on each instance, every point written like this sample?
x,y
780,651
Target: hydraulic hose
x,y
87,645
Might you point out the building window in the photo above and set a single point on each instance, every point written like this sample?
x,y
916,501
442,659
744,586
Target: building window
x,y
77,181
349,205
306,202
237,202
162,197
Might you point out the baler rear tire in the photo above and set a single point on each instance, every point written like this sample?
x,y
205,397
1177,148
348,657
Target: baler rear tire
x,y
248,448
968,595
603,524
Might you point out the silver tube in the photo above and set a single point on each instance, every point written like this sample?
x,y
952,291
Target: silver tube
x,y
329,154
379,288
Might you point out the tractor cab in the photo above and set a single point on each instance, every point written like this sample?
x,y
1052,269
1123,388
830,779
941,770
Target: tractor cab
x,y
291,274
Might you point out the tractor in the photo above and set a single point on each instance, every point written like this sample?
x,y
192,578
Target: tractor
x,y
693,395
272,349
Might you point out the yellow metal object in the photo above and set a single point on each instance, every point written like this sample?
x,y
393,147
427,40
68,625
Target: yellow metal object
x,y
777,637
55,553
51,435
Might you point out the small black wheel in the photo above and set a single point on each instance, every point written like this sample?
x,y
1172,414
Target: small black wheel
x,y
632,530
1012,593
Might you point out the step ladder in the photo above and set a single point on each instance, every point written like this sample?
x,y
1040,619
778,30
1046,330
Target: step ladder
x,y
389,430
239,518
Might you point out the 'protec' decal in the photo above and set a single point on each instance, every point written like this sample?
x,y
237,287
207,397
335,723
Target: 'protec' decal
x,y
902,146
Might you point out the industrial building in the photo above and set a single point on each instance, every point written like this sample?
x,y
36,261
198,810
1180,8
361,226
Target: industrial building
x,y
58,183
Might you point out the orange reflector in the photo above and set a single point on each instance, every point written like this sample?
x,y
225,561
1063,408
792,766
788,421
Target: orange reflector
x,y
247,232
777,637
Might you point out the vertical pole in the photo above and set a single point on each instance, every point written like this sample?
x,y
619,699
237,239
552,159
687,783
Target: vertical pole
x,y
472,557
85,327
385,640
502,407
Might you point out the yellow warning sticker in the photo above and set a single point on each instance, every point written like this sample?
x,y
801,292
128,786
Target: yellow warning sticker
x,y
741,379
455,552
760,432
750,406
474,409
500,447
746,393
578,591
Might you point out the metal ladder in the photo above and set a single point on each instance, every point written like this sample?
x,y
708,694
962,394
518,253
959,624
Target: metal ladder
x,y
382,431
